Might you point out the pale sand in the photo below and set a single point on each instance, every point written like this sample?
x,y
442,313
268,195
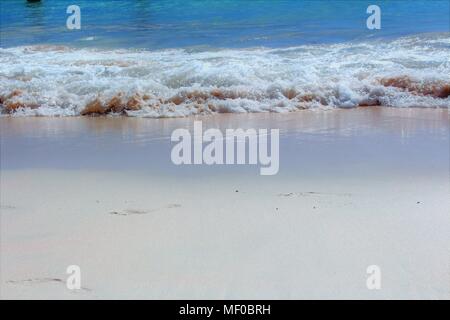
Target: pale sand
x,y
355,188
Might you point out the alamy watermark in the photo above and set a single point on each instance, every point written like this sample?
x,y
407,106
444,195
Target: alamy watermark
x,y
235,146
73,281
373,281
374,20
73,22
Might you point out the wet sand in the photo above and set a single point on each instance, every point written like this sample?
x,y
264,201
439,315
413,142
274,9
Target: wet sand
x,y
356,187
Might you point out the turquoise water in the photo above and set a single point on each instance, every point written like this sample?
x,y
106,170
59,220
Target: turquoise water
x,y
158,24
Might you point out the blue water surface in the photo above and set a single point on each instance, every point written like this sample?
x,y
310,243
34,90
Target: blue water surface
x,y
157,24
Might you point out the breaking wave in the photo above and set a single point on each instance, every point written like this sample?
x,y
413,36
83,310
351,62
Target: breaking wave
x,y
62,81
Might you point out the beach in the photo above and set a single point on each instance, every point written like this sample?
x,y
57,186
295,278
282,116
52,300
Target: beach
x,y
355,188
224,149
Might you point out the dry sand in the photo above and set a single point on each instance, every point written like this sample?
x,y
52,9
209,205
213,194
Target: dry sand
x,y
355,188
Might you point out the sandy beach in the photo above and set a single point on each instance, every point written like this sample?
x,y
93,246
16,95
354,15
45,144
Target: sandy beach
x,y
359,187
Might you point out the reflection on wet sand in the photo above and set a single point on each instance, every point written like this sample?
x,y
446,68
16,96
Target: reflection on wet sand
x,y
330,145
330,124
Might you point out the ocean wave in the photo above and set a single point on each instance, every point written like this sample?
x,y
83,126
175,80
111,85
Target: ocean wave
x,y
62,81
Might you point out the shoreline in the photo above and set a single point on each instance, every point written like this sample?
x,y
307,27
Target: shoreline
x,y
113,115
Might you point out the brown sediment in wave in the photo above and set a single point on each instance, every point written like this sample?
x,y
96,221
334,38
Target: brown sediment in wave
x,y
309,97
218,94
115,105
13,94
192,97
436,89
226,100
374,102
290,93
13,106
202,97
443,91
135,102
177,100
200,100
94,108
12,103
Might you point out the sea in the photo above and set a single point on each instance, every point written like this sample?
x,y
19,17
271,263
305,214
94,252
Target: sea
x,y
176,58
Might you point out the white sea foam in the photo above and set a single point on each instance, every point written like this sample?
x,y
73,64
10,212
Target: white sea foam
x,y
59,81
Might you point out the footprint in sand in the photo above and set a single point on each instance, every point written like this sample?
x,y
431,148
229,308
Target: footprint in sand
x,y
7,207
36,281
324,198
130,212
313,193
